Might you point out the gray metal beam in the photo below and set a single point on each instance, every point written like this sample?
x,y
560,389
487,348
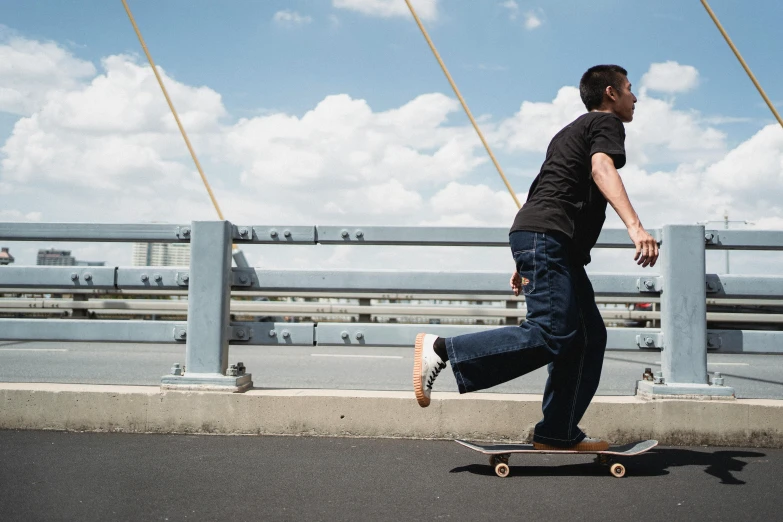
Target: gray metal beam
x,y
381,281
66,330
354,334
431,236
272,334
153,278
89,232
80,278
440,236
743,239
435,236
722,285
67,277
744,341
281,235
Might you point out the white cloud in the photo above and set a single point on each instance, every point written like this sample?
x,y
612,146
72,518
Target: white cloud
x,y
288,18
31,69
342,142
513,9
662,133
533,126
426,9
659,133
460,204
532,21
113,132
752,173
19,216
670,77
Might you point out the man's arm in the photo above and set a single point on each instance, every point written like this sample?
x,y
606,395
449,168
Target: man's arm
x,y
611,186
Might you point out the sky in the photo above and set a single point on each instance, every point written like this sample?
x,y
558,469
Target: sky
x,y
335,112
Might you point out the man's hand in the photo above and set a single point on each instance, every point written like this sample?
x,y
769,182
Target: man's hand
x,y
646,246
516,283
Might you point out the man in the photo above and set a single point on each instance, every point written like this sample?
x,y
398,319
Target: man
x,y
550,240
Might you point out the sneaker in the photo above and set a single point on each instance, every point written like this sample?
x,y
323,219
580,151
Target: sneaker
x,y
426,367
587,444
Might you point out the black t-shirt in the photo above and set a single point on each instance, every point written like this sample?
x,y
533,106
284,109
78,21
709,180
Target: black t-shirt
x,y
563,197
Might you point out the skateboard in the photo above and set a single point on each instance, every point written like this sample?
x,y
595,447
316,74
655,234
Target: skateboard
x,y
499,454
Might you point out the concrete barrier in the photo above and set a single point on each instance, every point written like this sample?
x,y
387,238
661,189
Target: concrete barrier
x,y
482,416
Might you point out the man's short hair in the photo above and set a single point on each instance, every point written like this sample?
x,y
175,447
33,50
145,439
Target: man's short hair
x,y
595,81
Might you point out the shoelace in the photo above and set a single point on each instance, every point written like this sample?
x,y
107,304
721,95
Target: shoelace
x,y
435,373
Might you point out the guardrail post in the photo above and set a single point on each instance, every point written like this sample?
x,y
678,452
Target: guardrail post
x,y
366,317
512,321
80,313
209,297
683,317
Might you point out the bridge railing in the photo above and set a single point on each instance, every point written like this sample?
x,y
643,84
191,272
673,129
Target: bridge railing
x,y
682,286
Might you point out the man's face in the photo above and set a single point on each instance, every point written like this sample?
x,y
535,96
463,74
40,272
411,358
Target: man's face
x,y
624,101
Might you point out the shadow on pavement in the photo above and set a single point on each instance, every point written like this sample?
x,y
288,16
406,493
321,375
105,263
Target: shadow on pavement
x,y
721,464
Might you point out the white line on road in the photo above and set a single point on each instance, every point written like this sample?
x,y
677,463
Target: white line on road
x,y
356,356
33,349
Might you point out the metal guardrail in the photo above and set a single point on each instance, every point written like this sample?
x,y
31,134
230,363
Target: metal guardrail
x,y
682,289
321,309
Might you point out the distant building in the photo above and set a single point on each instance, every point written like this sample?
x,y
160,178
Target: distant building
x,y
5,257
53,257
161,254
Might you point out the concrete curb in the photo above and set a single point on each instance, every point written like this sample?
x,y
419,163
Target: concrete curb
x,y
482,416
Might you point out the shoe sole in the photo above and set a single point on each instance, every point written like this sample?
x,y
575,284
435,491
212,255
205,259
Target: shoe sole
x,y
422,399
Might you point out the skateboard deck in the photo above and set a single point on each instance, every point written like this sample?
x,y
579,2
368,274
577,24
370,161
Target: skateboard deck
x,y
499,454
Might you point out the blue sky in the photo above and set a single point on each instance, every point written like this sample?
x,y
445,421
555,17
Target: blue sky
x,y
235,48
269,64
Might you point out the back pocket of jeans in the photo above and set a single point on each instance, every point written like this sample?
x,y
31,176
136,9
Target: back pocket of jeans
x,y
526,268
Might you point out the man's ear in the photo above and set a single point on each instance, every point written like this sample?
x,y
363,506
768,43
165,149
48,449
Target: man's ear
x,y
611,93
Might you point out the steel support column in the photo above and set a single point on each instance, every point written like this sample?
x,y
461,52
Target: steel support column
x,y
209,296
683,317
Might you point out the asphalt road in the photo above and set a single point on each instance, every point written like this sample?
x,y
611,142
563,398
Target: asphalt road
x,y
753,376
84,476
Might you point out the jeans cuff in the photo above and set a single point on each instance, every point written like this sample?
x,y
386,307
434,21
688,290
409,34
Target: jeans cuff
x,y
559,442
455,367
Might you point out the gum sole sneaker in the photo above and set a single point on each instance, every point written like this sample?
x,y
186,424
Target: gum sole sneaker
x,y
587,444
426,367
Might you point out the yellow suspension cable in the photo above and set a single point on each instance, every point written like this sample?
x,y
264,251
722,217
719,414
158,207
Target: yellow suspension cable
x,y
173,111
462,101
739,57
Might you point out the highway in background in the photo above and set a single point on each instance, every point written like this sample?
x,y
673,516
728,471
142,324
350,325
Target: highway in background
x,y
753,376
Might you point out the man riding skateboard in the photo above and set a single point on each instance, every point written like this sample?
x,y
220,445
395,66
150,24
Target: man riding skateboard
x,y
550,241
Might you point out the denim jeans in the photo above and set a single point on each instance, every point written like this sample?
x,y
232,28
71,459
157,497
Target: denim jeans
x,y
564,330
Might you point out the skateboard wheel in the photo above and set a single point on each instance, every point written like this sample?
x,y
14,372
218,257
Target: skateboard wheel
x,y
502,470
618,470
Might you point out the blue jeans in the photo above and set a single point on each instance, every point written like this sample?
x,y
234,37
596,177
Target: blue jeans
x,y
564,330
